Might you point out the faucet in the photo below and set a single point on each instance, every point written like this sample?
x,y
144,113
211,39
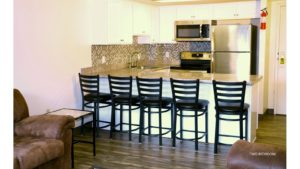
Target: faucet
x,y
133,59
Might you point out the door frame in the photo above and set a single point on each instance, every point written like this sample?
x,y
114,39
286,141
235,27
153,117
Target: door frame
x,y
274,54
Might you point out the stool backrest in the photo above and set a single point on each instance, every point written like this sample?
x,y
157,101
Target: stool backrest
x,y
186,91
120,86
149,88
89,84
229,96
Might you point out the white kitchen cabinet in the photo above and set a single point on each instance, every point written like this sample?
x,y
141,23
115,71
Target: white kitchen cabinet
x,y
166,24
111,22
236,10
120,22
99,22
186,12
154,36
194,12
141,19
250,9
204,12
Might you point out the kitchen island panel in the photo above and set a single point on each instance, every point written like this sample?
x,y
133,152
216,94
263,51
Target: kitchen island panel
x,y
206,92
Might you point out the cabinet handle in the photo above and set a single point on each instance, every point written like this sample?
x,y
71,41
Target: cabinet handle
x,y
192,16
122,40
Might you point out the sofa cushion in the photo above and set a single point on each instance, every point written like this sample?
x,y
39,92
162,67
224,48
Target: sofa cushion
x,y
255,156
30,152
48,126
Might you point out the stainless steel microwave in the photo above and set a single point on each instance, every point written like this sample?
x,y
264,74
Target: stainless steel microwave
x,y
193,30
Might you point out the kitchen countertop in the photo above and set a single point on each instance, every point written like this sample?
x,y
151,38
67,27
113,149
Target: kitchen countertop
x,y
166,73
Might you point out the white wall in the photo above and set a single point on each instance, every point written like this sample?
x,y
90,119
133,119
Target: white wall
x,y
51,44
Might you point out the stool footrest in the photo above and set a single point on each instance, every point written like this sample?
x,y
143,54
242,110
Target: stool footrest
x,y
191,115
127,125
163,133
227,135
191,139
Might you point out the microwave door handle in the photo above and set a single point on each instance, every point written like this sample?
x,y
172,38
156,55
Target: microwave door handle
x,y
200,31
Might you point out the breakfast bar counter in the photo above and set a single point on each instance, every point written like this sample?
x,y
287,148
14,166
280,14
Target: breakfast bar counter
x,y
252,97
166,73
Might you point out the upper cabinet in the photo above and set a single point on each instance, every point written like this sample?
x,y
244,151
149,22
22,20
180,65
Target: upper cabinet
x,y
116,21
154,36
192,12
167,19
250,9
186,12
120,22
141,19
236,10
99,22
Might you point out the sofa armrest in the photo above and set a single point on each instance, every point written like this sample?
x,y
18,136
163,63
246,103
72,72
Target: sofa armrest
x,y
255,156
48,126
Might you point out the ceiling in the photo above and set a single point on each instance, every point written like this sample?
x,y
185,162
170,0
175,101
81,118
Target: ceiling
x,y
185,2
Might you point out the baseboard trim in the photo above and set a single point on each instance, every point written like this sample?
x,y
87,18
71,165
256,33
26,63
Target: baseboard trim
x,y
253,141
269,111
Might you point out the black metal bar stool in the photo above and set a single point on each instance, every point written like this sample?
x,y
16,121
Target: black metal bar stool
x,y
121,95
230,106
187,103
150,94
92,98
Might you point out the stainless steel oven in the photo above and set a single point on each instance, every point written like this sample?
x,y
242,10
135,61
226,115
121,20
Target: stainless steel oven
x,y
200,61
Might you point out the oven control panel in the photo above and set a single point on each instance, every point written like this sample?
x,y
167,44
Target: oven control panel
x,y
195,56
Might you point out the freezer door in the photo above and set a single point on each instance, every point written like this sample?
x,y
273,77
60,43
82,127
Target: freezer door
x,y
232,63
232,38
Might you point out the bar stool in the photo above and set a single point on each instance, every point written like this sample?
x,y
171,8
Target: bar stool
x,y
121,95
186,98
150,95
92,97
229,103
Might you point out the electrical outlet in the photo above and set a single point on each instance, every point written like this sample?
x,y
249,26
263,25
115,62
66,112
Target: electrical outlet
x,y
167,54
139,56
103,59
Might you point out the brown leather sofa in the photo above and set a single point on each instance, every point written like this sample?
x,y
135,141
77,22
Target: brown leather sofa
x,y
42,141
245,155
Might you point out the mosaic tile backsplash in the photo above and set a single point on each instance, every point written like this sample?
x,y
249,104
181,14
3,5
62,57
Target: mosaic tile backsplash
x,y
150,54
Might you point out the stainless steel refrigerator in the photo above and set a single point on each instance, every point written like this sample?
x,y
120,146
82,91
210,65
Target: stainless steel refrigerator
x,y
234,49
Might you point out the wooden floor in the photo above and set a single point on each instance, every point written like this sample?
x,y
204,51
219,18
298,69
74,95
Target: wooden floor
x,y
272,130
119,153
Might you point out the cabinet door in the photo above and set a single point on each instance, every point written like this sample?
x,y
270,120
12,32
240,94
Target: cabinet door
x,y
186,12
154,24
237,10
141,19
99,19
204,12
248,9
225,11
126,22
166,24
120,22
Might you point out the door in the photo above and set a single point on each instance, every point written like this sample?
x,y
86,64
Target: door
x,y
280,75
232,63
232,38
